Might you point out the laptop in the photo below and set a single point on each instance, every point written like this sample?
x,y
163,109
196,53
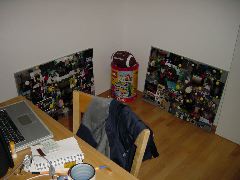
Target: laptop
x,y
19,122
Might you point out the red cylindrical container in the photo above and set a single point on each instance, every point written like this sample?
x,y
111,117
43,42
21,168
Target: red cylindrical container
x,y
124,83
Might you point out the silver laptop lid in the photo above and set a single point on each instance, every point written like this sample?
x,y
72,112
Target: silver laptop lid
x,y
28,123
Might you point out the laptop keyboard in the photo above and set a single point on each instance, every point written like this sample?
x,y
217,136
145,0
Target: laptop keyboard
x,y
8,128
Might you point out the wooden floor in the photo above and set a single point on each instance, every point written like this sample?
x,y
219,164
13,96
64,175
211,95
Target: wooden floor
x,y
186,152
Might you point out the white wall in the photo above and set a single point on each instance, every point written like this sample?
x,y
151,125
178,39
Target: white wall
x,y
34,32
203,30
229,122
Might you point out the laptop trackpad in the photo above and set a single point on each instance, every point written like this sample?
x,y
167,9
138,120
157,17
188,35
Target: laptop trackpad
x,y
24,120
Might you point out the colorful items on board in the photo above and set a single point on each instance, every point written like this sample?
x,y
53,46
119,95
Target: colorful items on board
x,y
50,85
186,88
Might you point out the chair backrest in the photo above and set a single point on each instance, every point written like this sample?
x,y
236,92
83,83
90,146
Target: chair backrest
x,y
81,102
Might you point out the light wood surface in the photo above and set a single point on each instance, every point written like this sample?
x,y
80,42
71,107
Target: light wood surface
x,y
81,103
92,156
141,143
186,152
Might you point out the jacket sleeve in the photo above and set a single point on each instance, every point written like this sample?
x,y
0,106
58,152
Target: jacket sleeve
x,y
151,149
85,134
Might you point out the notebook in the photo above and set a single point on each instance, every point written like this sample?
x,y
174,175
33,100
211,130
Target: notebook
x,y
68,152
20,120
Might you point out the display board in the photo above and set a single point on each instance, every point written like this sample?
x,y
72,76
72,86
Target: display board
x,y
184,87
50,85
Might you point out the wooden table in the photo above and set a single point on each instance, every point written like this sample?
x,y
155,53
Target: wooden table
x,y
91,156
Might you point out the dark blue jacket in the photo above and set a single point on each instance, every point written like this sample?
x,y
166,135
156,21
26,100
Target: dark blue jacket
x,y
122,128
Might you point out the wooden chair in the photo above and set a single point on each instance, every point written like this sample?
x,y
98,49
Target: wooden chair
x,y
81,102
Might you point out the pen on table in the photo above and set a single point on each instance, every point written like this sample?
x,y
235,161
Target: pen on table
x,y
103,167
63,171
47,172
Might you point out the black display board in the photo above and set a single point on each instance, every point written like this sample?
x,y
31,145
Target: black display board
x,y
184,87
50,85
